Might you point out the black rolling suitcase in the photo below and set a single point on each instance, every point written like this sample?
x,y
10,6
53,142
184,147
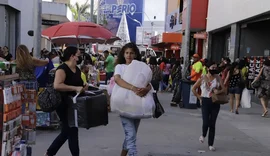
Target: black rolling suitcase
x,y
88,110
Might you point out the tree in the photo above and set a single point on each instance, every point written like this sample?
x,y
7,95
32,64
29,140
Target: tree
x,y
79,11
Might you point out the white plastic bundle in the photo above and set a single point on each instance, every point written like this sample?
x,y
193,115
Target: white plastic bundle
x,y
126,102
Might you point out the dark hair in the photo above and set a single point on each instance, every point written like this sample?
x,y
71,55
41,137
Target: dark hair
x,y
242,64
153,60
209,64
233,66
267,62
121,59
106,52
68,52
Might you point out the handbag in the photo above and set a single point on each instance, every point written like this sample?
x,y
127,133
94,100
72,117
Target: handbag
x,y
49,99
220,98
256,84
159,110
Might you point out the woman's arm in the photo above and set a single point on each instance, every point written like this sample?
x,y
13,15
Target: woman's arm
x,y
122,83
260,73
223,88
38,62
227,78
59,84
195,87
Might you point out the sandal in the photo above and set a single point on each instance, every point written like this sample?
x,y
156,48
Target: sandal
x,y
265,114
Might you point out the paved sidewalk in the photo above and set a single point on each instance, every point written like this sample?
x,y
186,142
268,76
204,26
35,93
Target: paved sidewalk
x,y
175,134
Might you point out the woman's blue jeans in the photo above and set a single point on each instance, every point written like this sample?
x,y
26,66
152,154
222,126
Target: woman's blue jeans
x,y
130,128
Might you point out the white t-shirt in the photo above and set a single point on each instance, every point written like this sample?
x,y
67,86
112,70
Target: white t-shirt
x,y
120,69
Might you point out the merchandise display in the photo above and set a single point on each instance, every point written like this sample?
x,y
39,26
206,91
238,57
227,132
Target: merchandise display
x,y
13,115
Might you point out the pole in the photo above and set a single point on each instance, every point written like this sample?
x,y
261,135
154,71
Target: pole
x,y
98,13
37,27
92,11
187,37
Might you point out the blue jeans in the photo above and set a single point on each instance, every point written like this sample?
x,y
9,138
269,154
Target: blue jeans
x,y
130,128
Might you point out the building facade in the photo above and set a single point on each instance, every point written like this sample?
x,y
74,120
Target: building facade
x,y
238,28
16,19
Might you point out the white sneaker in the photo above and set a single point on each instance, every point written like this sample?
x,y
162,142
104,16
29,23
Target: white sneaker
x,y
211,148
201,139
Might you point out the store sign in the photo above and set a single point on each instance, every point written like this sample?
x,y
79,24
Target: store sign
x,y
200,36
175,47
111,12
254,67
50,22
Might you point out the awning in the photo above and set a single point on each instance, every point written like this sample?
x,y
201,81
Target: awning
x,y
166,40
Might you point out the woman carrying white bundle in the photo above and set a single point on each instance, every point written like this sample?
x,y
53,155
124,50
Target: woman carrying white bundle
x,y
130,89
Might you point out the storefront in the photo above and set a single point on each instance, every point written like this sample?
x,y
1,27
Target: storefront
x,y
168,43
240,32
9,23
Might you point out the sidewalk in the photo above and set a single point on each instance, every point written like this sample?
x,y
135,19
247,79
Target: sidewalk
x,y
175,134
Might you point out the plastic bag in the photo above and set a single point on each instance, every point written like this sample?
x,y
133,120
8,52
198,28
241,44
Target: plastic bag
x,y
126,102
246,99
110,86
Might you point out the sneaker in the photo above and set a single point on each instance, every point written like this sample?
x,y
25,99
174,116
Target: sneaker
x,y
201,139
211,148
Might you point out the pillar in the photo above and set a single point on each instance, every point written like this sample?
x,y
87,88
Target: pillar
x,y
2,25
234,41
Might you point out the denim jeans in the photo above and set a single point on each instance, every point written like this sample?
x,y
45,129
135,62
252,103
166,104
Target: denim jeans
x,y
130,128
209,114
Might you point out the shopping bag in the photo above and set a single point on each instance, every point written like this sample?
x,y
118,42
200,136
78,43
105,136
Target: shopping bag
x,y
246,99
125,102
110,86
159,109
87,110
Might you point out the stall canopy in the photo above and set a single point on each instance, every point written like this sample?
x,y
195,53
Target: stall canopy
x,y
166,40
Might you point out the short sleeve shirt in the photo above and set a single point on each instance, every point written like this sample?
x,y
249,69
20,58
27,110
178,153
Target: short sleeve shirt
x,y
120,69
110,64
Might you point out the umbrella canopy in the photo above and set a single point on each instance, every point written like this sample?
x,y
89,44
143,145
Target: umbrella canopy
x,y
78,33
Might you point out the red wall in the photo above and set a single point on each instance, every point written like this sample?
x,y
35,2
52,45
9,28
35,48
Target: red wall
x,y
198,15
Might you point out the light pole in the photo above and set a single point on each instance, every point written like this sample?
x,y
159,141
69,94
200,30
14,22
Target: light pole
x,y
37,27
142,28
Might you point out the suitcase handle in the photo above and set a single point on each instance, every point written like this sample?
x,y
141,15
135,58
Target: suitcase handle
x,y
75,98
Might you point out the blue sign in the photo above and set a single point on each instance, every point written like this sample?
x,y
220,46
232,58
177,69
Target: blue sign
x,y
111,13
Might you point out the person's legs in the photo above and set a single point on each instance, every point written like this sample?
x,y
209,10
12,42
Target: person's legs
x,y
73,141
109,75
130,128
62,137
231,94
206,103
264,103
212,124
237,102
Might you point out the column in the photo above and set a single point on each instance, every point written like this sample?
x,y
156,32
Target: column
x,y
12,33
208,53
2,25
234,43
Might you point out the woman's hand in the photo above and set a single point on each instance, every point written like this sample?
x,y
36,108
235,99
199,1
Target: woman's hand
x,y
142,91
216,91
79,89
86,86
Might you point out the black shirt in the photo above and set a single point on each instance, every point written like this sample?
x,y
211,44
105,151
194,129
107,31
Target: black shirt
x,y
8,57
72,79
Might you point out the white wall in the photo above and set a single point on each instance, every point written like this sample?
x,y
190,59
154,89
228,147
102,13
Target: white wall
x,y
224,12
154,8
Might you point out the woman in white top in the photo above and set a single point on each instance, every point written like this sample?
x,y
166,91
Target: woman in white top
x,y
129,53
209,84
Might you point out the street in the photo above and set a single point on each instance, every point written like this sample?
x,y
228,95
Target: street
x,y
174,134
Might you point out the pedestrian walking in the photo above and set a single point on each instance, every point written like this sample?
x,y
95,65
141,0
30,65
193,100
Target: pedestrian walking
x,y
68,82
129,53
210,84
235,81
263,90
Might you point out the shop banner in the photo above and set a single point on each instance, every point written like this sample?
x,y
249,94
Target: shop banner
x,y
174,21
254,66
111,12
